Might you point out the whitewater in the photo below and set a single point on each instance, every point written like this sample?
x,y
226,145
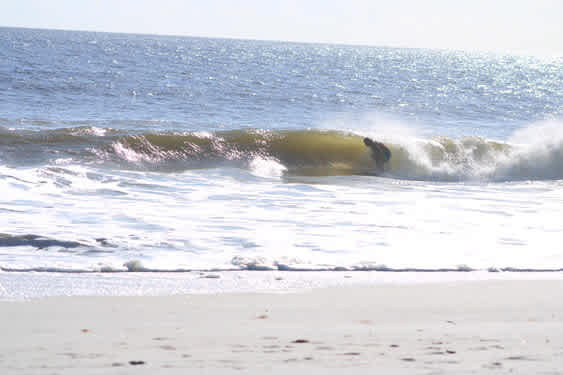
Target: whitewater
x,y
127,153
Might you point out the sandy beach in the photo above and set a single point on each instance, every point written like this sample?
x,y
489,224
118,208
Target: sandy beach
x,y
464,327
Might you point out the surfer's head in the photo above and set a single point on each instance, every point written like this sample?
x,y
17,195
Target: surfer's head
x,y
368,142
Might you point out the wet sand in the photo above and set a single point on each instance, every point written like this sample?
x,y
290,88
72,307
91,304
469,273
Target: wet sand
x,y
467,327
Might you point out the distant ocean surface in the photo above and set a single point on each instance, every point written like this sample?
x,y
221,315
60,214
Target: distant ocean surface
x,y
154,153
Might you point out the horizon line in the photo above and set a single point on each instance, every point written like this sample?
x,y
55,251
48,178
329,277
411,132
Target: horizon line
x,y
552,54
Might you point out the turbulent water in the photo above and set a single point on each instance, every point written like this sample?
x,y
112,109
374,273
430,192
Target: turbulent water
x,y
134,152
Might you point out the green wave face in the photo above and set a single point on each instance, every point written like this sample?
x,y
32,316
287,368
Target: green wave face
x,y
307,152
297,152
321,153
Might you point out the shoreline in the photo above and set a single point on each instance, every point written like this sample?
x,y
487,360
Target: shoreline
x,y
33,285
479,326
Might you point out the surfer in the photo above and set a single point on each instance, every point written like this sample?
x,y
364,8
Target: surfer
x,y
379,152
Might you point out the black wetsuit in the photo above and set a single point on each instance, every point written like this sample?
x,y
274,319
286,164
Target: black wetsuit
x,y
379,152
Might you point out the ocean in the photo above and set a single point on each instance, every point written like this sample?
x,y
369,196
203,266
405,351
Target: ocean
x,y
122,153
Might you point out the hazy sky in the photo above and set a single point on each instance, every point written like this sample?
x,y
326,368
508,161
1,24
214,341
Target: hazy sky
x,y
515,25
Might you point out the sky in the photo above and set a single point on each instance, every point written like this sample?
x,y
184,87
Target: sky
x,y
527,26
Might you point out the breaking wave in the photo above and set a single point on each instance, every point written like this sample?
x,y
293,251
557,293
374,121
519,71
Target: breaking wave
x,y
534,153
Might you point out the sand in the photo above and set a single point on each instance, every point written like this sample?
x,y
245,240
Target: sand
x,y
464,327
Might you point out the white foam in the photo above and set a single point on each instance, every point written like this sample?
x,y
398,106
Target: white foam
x,y
90,130
133,156
266,167
202,134
538,153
